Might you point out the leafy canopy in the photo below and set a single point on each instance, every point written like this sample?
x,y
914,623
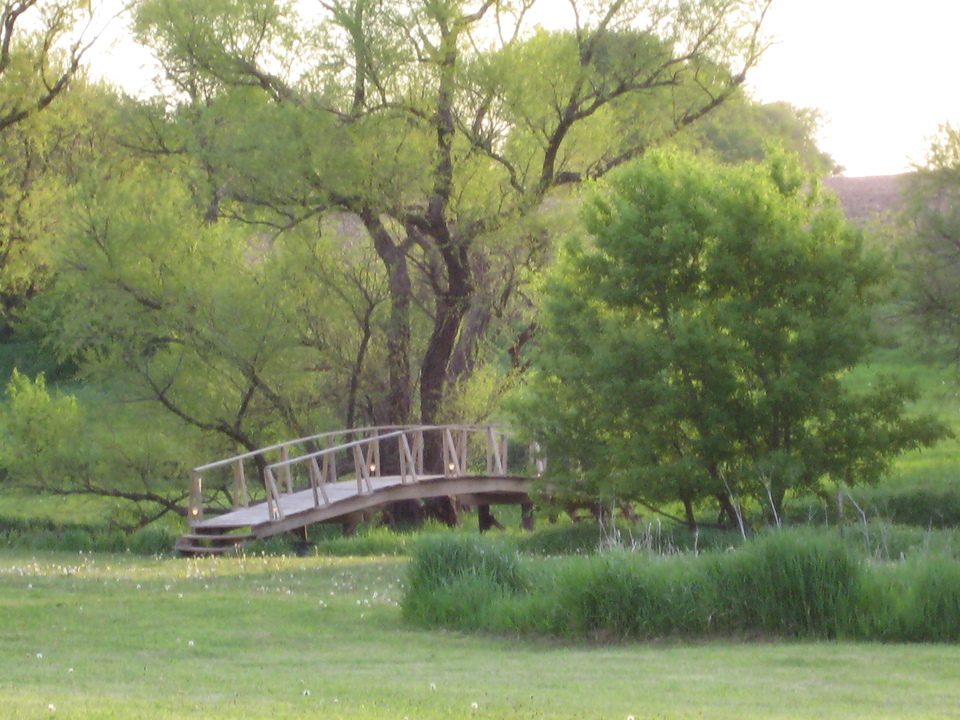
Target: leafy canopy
x,y
695,345
933,233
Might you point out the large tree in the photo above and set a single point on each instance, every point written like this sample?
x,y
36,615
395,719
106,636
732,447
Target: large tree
x,y
442,125
42,44
45,130
694,346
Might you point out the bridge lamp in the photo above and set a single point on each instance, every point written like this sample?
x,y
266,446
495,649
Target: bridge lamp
x,y
451,466
373,467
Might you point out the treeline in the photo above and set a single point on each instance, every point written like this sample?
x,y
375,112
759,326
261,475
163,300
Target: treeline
x,y
354,217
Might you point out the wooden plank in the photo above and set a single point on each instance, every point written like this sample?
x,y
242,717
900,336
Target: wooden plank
x,y
240,496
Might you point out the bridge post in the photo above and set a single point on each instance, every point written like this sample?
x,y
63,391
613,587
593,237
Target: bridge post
x,y
418,452
462,447
408,461
450,468
362,471
196,497
285,469
373,454
496,453
330,463
240,496
526,516
317,483
273,496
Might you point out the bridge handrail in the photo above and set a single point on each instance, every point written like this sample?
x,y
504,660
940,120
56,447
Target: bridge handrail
x,y
402,430
289,443
374,435
335,448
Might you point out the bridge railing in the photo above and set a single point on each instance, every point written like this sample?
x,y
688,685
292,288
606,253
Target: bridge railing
x,y
361,454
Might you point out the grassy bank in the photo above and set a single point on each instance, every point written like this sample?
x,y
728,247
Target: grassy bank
x,y
278,638
787,584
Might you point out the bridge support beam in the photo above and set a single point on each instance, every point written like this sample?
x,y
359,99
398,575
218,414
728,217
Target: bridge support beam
x,y
526,516
486,519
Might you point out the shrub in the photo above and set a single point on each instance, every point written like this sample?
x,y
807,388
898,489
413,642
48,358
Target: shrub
x,y
454,579
151,541
934,614
623,595
796,584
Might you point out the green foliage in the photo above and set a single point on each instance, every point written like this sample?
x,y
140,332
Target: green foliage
x,y
619,596
51,535
58,443
797,584
696,346
932,295
414,120
41,157
794,584
39,431
455,578
199,318
743,130
589,538
443,559
935,611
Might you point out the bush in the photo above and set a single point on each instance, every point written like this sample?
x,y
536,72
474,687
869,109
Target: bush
x,y
622,595
151,541
794,584
455,579
934,614
783,584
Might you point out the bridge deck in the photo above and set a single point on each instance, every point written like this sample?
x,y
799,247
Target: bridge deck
x,y
332,499
300,502
300,508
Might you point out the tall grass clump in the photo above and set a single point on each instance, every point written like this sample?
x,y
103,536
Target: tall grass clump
x,y
934,613
793,584
589,538
622,595
49,535
457,580
799,584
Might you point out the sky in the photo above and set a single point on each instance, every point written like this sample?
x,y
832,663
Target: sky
x,y
883,74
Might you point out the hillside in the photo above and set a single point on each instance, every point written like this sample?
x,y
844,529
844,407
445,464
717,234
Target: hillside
x,y
866,198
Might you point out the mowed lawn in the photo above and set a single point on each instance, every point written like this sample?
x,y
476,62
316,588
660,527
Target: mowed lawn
x,y
99,636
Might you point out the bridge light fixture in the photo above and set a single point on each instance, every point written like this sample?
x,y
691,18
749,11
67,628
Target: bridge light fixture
x,y
373,468
451,467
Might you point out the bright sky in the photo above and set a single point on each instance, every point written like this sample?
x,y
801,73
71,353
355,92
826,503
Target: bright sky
x,y
884,73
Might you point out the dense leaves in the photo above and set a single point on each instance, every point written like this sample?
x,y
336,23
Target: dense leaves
x,y
695,345
930,246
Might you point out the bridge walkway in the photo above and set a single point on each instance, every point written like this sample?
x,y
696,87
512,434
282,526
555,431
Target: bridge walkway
x,y
303,487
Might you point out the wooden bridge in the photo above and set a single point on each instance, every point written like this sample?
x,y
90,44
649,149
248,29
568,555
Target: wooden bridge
x,y
337,476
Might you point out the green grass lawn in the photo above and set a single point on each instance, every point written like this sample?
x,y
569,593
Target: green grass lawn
x,y
99,636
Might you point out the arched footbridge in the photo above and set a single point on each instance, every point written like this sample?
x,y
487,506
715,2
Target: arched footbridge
x,y
338,476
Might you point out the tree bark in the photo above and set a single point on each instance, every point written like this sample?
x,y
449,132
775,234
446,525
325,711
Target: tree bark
x,y
394,258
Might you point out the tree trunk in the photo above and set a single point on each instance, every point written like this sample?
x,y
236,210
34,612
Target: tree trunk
x,y
451,309
394,258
